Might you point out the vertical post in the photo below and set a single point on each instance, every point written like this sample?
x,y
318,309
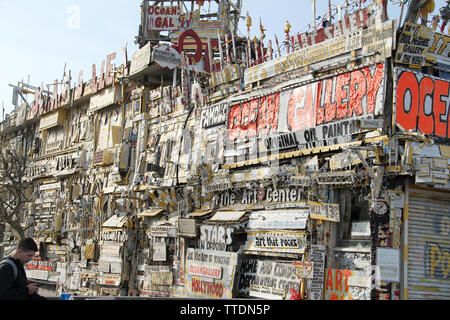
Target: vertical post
x,y
402,6
220,49
234,46
287,29
210,55
329,11
249,55
314,14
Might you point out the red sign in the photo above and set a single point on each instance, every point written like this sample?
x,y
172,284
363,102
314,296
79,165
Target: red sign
x,y
334,100
421,103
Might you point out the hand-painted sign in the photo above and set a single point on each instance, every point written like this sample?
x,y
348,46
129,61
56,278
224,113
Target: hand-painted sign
x,y
214,115
257,196
436,260
420,103
351,23
324,211
210,274
267,279
318,259
166,57
388,262
160,18
419,45
303,269
307,56
379,39
339,284
215,237
278,219
321,113
276,242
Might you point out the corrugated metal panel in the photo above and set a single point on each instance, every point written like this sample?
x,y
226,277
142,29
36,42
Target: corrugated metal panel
x,y
428,244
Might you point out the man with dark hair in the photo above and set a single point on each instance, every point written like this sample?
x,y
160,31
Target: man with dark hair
x,y
13,279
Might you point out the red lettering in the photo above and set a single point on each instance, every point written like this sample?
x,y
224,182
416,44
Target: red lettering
x,y
268,113
407,114
300,109
234,122
330,108
357,91
338,279
343,81
249,118
182,40
347,273
320,111
330,280
373,85
440,89
426,124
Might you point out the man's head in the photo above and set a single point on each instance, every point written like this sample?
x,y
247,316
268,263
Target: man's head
x,y
26,250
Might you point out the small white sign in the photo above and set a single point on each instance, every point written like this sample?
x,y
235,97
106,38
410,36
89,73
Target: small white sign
x,y
388,263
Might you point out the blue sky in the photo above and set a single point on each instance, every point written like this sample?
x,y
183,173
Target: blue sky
x,y
39,37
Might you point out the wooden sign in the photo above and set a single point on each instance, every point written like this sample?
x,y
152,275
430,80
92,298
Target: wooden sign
x,y
419,45
276,242
267,279
324,211
421,103
318,258
305,57
351,23
309,116
303,269
210,274
166,57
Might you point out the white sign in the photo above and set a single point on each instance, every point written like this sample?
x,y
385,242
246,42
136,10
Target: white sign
x,y
159,251
388,262
276,242
160,18
286,219
360,229
166,57
267,279
318,258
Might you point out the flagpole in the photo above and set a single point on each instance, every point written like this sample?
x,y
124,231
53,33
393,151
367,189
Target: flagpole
x,y
249,24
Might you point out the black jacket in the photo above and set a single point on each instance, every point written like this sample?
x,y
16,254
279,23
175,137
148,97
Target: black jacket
x,y
14,289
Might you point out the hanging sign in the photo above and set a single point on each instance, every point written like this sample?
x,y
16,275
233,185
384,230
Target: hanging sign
x,y
166,57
